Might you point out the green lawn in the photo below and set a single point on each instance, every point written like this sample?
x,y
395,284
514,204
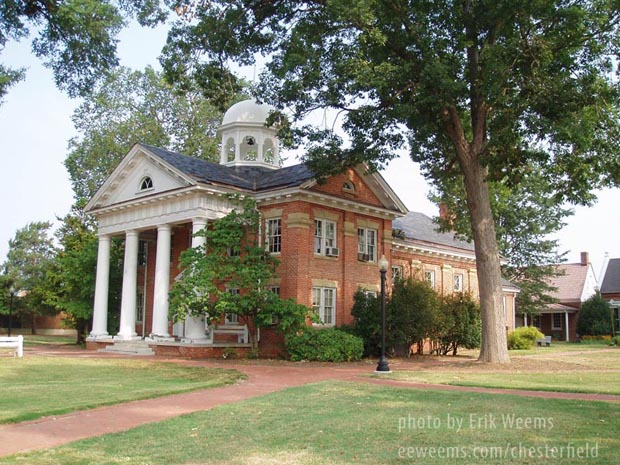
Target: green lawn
x,y
558,346
585,371
584,382
33,387
344,423
39,340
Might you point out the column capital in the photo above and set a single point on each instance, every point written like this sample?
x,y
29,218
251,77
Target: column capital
x,y
131,232
164,227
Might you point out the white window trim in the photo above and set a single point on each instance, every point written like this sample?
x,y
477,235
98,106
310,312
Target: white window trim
x,y
536,321
458,278
323,239
321,304
268,236
553,326
146,180
363,247
397,273
430,274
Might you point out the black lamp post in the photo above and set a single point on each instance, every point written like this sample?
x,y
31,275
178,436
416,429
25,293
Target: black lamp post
x,y
12,293
383,366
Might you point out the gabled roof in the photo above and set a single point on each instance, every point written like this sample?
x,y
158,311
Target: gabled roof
x,y
571,283
253,178
190,172
418,226
611,279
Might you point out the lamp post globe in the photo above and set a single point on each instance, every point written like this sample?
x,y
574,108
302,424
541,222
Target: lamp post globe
x,y
383,366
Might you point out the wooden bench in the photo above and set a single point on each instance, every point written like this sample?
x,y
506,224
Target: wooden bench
x,y
546,341
16,343
241,332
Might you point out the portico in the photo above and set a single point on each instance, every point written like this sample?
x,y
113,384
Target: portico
x,y
151,213
157,201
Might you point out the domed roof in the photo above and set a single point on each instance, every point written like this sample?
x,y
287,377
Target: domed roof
x,y
247,111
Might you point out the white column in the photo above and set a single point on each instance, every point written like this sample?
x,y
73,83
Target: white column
x,y
100,312
195,326
162,283
127,328
566,324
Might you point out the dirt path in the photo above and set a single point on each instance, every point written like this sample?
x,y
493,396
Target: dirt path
x,y
262,378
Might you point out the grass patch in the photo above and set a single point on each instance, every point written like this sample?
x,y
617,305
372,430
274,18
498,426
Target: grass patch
x,y
343,423
590,371
33,387
41,340
584,382
554,348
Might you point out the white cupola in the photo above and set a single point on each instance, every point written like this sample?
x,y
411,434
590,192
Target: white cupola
x,y
246,141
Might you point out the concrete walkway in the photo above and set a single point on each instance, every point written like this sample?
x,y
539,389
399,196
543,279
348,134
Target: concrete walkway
x,y
262,379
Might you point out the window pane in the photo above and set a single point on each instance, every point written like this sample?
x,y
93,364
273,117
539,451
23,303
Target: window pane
x,y
328,307
361,241
318,236
330,234
316,299
371,244
274,235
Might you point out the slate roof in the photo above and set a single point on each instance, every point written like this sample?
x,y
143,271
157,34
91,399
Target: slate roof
x,y
246,177
569,285
611,280
418,226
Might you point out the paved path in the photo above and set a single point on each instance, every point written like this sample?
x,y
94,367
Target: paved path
x,y
262,379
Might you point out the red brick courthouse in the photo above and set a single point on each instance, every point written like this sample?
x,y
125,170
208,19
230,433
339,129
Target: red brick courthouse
x,y
327,237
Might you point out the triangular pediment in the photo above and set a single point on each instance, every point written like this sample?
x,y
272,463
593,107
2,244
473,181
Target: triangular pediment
x,y
139,175
358,185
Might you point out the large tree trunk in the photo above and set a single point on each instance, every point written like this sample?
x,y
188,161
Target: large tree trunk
x,y
494,348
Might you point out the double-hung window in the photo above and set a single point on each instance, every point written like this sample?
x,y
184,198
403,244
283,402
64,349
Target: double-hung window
x,y
325,237
324,304
458,282
397,273
429,276
274,235
557,321
367,244
232,318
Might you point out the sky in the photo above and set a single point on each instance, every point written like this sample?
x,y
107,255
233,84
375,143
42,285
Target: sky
x,y
35,126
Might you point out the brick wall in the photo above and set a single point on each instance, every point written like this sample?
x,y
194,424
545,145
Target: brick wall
x,y
361,193
301,269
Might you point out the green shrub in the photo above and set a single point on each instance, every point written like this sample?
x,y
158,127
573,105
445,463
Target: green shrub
x,y
616,341
324,345
412,314
523,338
458,323
594,317
366,311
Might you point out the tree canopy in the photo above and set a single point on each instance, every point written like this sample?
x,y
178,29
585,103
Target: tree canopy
x,y
526,215
137,106
70,281
477,89
29,259
76,38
